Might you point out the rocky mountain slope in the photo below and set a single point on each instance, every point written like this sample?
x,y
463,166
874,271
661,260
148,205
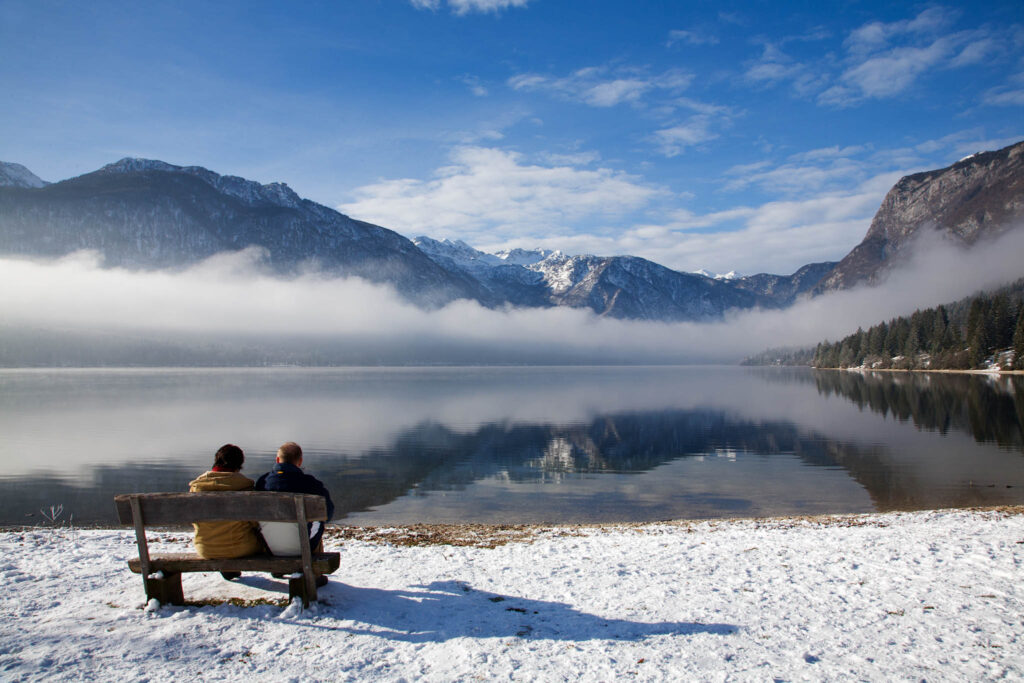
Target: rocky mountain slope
x,y
783,290
143,213
149,214
977,198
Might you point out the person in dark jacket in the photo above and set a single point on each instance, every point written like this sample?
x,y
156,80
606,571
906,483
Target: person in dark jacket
x,y
287,476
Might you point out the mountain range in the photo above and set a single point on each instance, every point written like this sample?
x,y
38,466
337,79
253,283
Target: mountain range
x,y
148,214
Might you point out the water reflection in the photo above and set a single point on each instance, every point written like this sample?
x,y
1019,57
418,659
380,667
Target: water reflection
x,y
989,408
524,444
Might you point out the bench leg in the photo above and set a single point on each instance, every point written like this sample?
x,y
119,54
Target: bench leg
x,y
297,587
166,590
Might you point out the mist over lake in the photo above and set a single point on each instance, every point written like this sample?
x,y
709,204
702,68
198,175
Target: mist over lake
x,y
522,444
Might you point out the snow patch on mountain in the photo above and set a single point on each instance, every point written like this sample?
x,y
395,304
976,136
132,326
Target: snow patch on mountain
x,y
562,273
525,257
16,175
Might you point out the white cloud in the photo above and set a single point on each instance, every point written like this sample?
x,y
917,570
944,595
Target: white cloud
x,y
674,140
610,93
808,172
773,66
462,7
778,236
488,192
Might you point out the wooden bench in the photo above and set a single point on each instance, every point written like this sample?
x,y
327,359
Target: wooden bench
x,y
161,574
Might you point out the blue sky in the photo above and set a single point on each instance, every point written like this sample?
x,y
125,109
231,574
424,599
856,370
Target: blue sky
x,y
755,136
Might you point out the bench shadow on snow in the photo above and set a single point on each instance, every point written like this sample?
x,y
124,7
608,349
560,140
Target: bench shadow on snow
x,y
443,610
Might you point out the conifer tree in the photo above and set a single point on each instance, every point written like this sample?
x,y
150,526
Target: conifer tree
x,y
876,340
940,331
1018,340
1001,322
974,317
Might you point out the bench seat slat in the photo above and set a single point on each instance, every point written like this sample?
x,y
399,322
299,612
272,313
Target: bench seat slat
x,y
168,509
323,563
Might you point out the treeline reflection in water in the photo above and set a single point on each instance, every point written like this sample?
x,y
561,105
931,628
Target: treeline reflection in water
x,y
988,407
619,446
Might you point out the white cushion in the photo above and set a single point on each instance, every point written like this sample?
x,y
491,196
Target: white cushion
x,y
283,538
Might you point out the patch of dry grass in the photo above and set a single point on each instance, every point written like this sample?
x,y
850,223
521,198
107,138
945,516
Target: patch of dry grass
x,y
494,535
472,535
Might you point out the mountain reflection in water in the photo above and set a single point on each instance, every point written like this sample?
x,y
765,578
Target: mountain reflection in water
x,y
525,444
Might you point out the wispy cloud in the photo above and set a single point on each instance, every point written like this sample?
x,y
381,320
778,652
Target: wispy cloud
x,y
877,35
775,67
684,122
703,124
601,86
879,59
489,192
1011,94
674,140
891,73
467,6
474,85
886,59
976,52
699,37
829,168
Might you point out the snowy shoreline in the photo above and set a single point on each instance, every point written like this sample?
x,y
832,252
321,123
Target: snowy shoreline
x,y
890,596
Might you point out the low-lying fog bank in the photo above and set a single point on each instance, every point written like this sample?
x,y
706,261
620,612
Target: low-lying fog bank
x,y
227,311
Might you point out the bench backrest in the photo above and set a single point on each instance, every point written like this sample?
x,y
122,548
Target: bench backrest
x,y
159,509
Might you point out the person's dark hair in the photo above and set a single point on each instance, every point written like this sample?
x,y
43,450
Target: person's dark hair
x,y
229,457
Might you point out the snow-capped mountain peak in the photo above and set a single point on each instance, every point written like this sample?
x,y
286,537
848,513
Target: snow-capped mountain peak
x,y
16,175
457,252
731,275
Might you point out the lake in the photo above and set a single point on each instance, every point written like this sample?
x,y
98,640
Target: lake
x,y
521,444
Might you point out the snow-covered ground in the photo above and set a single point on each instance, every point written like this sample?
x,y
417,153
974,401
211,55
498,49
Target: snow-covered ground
x,y
929,595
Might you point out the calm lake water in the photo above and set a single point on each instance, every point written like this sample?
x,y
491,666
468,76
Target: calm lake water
x,y
534,444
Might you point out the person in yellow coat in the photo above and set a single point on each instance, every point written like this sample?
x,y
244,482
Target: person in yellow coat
x,y
221,540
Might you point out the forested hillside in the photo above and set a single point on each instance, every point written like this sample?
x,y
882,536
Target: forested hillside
x,y
974,333
977,332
